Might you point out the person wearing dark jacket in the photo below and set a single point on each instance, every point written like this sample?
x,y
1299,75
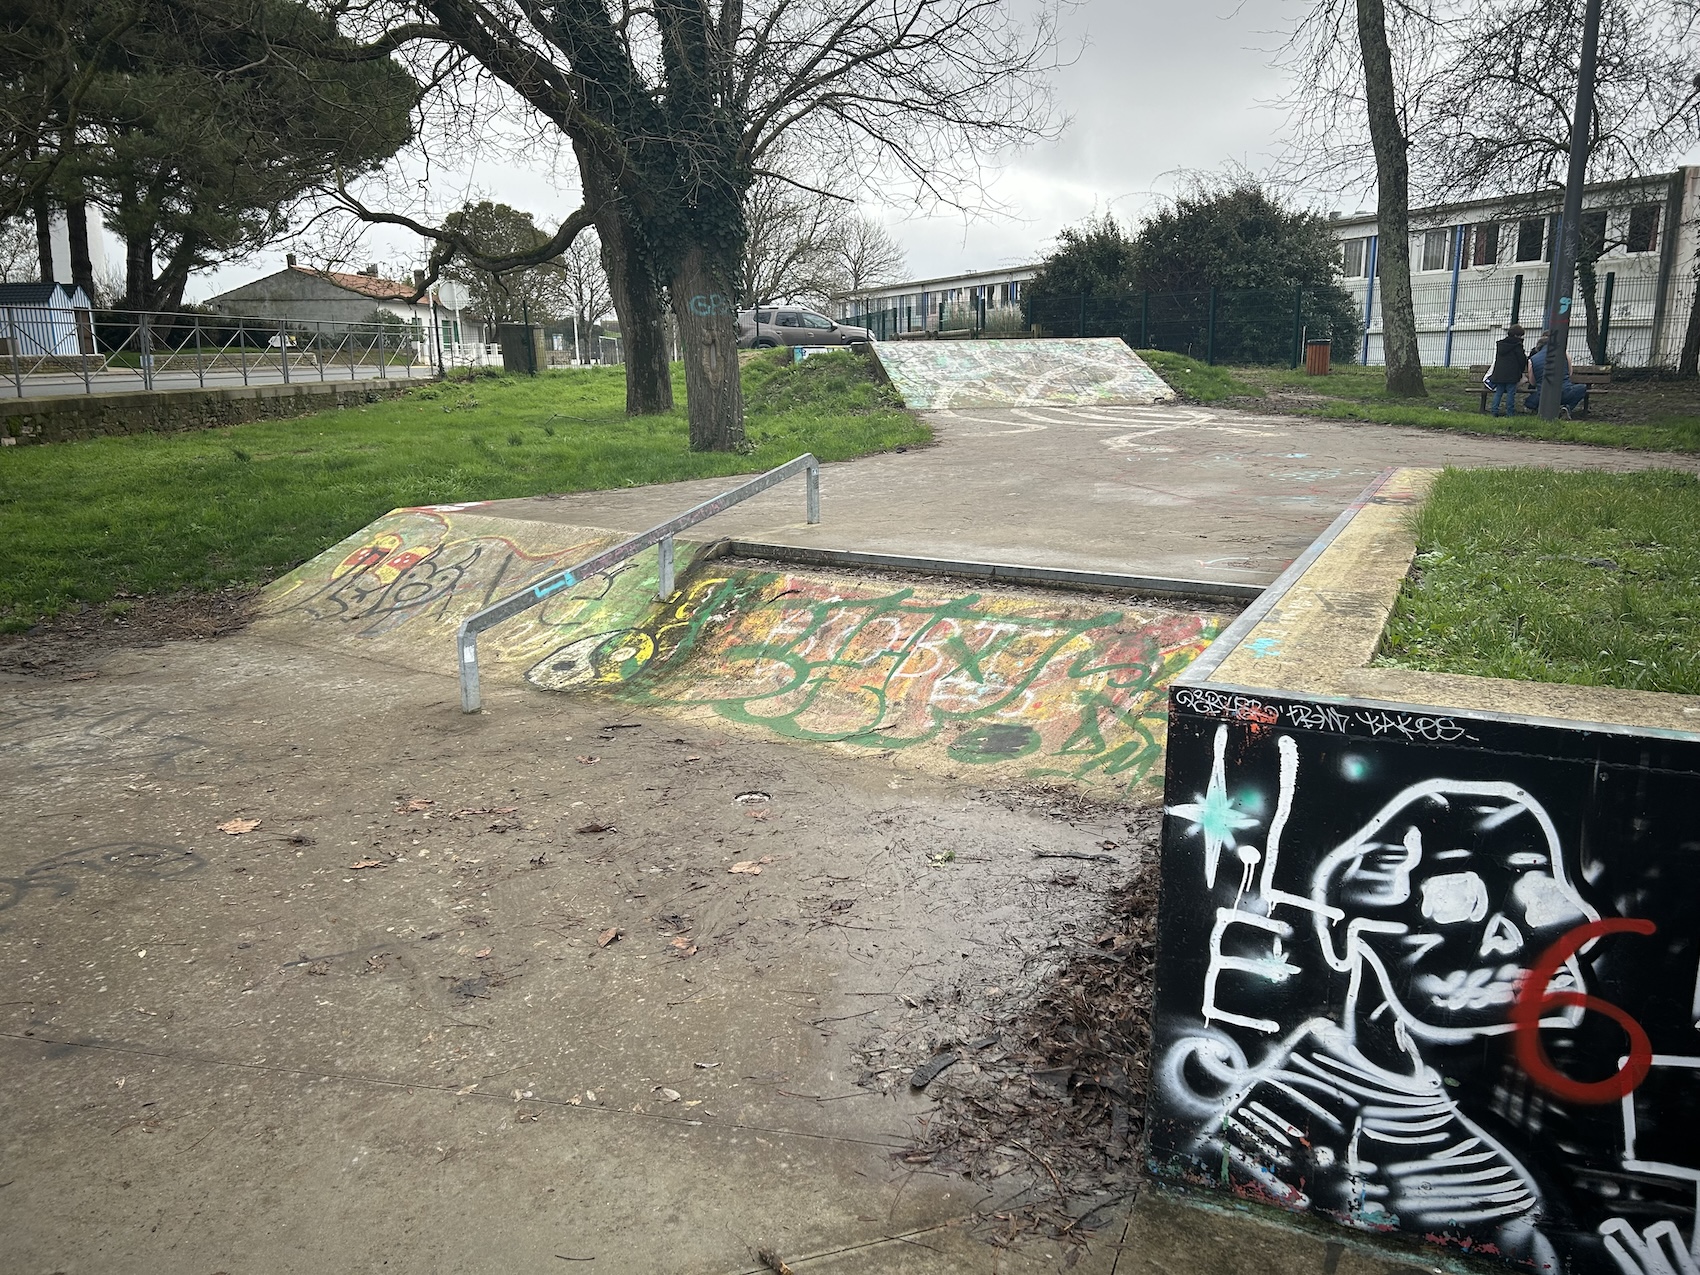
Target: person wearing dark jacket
x,y
1509,361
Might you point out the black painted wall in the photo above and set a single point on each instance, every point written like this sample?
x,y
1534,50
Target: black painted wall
x,y
1435,975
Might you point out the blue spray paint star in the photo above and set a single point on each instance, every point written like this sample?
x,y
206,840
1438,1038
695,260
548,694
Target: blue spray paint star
x,y
1213,813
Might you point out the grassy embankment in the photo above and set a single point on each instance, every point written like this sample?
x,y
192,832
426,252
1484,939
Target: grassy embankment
x,y
1584,578
94,523
1646,415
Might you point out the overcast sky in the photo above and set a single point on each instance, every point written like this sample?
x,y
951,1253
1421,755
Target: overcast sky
x,y
1157,87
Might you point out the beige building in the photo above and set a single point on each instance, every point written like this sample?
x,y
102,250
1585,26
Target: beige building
x,y
303,295
1476,267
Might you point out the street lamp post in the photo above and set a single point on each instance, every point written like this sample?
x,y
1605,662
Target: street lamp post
x,y
1564,260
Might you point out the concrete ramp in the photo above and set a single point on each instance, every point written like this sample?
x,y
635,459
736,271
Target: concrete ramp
x,y
1064,371
398,589
999,683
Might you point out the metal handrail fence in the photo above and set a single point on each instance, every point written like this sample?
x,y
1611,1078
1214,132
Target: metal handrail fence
x,y
47,351
466,639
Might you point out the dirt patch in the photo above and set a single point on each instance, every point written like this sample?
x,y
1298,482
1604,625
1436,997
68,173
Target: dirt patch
x,y
71,645
1049,1086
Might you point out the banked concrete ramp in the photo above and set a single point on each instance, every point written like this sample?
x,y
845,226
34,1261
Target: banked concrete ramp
x,y
933,375
1008,683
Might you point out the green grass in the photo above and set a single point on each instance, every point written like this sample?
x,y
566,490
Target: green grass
x,y
83,523
1584,578
1201,382
1643,415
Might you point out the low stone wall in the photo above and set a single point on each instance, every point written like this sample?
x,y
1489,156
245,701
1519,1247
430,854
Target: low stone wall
x,y
65,419
1428,944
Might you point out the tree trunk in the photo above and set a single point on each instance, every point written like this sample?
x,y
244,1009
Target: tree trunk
x,y
138,272
703,305
1588,284
635,292
1690,362
82,264
1393,205
44,237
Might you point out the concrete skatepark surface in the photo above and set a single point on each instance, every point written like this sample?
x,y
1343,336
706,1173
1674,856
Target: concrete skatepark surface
x,y
380,1029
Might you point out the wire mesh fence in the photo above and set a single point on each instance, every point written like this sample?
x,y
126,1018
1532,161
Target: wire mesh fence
x,y
47,350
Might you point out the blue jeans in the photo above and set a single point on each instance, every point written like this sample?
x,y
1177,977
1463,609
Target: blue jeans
x,y
1570,394
1503,393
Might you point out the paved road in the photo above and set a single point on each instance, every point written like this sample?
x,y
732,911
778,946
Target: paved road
x,y
1166,490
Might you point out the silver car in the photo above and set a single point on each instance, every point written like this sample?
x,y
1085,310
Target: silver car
x,y
786,325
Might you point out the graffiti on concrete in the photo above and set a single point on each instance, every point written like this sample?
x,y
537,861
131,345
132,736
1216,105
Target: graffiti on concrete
x,y
57,877
944,374
1061,689
1410,983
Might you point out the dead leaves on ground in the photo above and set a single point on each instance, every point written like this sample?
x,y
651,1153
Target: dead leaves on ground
x,y
609,935
236,827
751,867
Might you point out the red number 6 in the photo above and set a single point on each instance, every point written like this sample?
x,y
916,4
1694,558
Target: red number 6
x,y
1534,1000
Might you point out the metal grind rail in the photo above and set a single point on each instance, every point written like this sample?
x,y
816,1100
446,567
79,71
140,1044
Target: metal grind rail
x,y
466,640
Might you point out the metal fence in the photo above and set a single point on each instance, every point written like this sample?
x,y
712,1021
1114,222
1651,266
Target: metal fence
x,y
1459,318
45,352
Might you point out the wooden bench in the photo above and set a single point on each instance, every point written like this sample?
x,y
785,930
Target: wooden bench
x,y
1597,377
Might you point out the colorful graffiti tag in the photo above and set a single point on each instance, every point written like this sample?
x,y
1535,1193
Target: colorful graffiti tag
x,y
1434,974
1055,686
402,585
943,374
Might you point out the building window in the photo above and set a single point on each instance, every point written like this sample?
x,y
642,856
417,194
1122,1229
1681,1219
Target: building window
x,y
1354,258
1435,244
1531,233
1485,244
1643,233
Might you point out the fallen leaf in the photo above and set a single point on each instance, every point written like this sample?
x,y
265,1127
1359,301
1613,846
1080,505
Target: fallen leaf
x,y
236,827
684,947
774,1262
590,761
461,1093
595,827
481,953
749,867
672,1095
413,805
757,814
693,759
368,863
608,936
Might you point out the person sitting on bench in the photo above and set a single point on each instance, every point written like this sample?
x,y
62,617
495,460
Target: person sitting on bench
x,y
1570,394
1509,363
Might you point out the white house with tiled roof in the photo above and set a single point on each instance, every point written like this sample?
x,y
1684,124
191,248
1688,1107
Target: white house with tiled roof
x,y
301,294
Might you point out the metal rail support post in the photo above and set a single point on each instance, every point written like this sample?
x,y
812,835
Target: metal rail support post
x,y
242,348
200,367
83,349
664,579
283,350
319,349
466,640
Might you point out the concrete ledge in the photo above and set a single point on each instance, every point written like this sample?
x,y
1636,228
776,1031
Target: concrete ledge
x,y
67,417
1316,630
1005,573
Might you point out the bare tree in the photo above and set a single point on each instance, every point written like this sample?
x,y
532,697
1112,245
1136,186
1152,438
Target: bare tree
x,y
674,107
1499,120
1359,73
18,262
790,233
584,285
863,256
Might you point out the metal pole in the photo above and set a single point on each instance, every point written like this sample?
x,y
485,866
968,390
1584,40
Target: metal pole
x,y
664,585
1369,296
1210,332
1564,267
145,343
1452,303
1605,314
83,349
283,350
811,494
1516,297
1298,325
319,347
200,368
12,345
